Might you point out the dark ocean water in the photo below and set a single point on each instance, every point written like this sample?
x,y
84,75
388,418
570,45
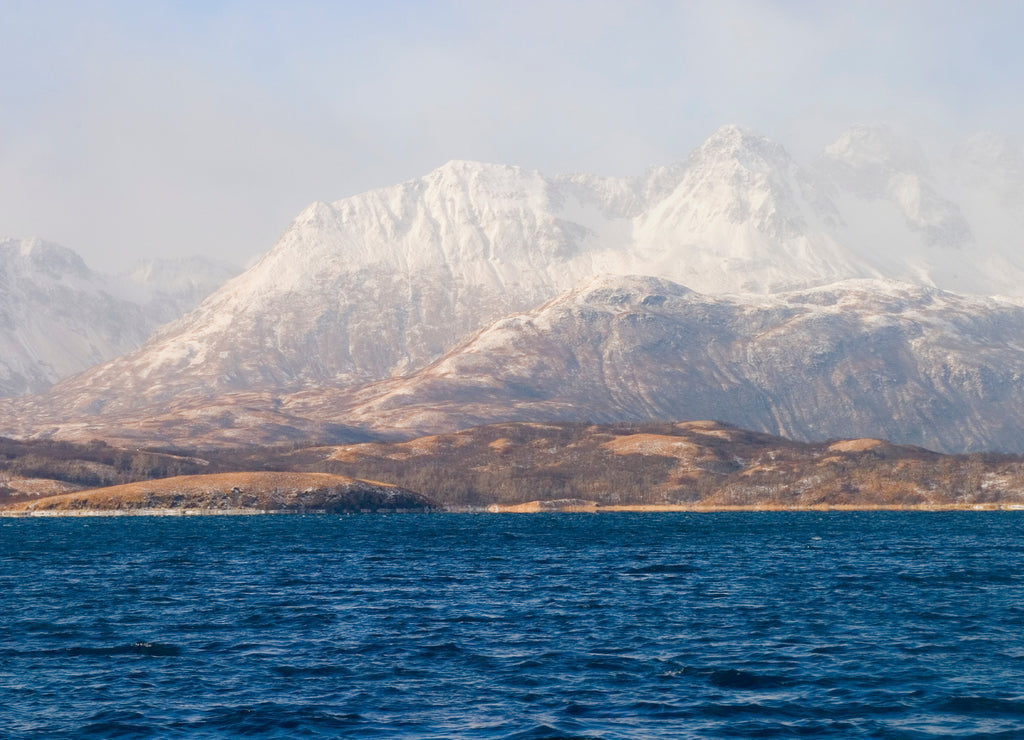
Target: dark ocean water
x,y
882,625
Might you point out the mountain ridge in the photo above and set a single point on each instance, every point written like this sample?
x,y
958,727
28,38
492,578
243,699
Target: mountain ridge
x,y
376,287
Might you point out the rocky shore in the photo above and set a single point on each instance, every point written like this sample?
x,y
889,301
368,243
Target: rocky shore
x,y
230,493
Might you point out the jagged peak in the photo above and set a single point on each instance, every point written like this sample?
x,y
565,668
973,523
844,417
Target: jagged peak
x,y
731,134
316,210
462,166
742,145
465,170
44,256
319,216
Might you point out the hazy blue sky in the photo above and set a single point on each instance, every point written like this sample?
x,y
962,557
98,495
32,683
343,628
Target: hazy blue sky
x,y
146,128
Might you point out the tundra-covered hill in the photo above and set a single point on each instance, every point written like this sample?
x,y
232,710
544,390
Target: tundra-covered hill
x,y
703,464
245,492
696,464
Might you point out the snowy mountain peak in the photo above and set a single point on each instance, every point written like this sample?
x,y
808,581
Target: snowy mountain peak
x,y
740,198
481,222
731,137
385,282
877,151
739,146
462,169
462,184
458,181
316,211
35,255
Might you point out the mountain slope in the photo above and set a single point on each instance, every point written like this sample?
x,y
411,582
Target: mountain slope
x,y
855,359
58,317
859,358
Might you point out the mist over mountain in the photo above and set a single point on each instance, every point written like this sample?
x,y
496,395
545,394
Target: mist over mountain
x,y
58,317
173,286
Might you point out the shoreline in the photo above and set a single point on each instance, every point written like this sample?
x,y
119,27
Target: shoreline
x,y
528,508
535,507
58,513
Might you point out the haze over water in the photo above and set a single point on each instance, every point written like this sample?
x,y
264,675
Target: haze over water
x,y
603,626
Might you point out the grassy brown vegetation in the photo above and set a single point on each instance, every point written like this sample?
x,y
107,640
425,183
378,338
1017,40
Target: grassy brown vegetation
x,y
285,492
89,465
33,468
685,465
696,464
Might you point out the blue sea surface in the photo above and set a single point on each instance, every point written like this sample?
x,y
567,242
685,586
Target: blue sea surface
x,y
880,625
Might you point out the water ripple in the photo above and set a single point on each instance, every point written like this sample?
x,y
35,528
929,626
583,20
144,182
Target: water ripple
x,y
489,627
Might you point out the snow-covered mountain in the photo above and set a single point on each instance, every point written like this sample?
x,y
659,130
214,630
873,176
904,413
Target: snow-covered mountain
x,y
58,317
384,282
860,358
381,284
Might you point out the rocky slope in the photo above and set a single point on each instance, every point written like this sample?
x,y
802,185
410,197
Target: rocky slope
x,y
858,358
58,317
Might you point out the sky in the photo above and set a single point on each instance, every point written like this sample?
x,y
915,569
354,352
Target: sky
x,y
131,130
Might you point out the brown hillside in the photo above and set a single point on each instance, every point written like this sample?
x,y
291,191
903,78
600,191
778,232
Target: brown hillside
x,y
285,492
701,464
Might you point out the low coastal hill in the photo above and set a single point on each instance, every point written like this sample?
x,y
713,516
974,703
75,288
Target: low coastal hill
x,y
235,493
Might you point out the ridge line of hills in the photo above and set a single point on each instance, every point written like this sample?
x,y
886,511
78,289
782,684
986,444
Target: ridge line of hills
x,y
698,465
